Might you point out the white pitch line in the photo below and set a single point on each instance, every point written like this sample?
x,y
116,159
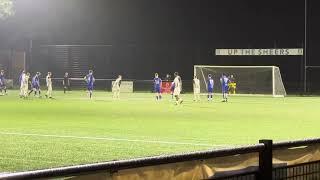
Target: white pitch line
x,y
113,139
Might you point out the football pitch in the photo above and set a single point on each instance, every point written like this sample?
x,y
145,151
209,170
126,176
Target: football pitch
x,y
71,129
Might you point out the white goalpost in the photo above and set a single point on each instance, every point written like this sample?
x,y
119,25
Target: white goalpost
x,y
250,80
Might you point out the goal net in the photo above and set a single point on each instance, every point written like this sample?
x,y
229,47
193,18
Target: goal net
x,y
259,80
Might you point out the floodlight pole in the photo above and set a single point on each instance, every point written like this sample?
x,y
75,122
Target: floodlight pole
x,y
305,46
30,55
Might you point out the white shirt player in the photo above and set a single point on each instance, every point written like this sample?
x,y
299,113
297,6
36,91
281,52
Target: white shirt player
x,y
48,80
25,84
196,85
49,85
177,86
116,87
23,77
196,89
116,84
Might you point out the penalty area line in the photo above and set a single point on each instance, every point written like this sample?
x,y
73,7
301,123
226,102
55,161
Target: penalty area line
x,y
113,139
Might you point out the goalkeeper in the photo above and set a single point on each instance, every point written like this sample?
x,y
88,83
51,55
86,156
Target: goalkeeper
x,y
232,85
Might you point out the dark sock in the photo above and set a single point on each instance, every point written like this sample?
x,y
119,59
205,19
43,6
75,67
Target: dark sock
x,y
160,97
157,97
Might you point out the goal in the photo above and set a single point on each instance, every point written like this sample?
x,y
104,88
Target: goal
x,y
256,80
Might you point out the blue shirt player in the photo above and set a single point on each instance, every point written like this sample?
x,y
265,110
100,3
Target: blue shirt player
x,y
36,84
157,86
172,89
210,87
90,81
224,85
3,87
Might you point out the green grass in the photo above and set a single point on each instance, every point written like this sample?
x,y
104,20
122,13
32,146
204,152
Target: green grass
x,y
70,130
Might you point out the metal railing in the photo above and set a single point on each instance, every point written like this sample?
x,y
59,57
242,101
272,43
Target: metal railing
x,y
115,166
310,170
266,170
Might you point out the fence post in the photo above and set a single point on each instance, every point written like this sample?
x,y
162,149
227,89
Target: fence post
x,y
265,161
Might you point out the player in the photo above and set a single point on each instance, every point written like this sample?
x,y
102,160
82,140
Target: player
x,y
224,85
3,87
35,85
25,85
157,86
232,85
210,87
196,89
172,89
89,78
49,85
21,81
116,87
66,82
177,88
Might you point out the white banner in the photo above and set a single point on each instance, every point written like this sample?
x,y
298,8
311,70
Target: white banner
x,y
260,52
126,86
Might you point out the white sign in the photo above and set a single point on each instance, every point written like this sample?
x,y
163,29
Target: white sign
x,y
126,86
260,52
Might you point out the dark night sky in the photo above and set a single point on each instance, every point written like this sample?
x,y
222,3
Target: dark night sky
x,y
170,35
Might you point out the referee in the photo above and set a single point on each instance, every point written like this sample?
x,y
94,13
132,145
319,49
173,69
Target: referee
x,y
66,82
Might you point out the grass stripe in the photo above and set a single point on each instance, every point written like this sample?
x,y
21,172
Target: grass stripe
x,y
113,139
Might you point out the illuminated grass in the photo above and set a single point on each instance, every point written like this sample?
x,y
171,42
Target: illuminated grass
x,y
71,129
